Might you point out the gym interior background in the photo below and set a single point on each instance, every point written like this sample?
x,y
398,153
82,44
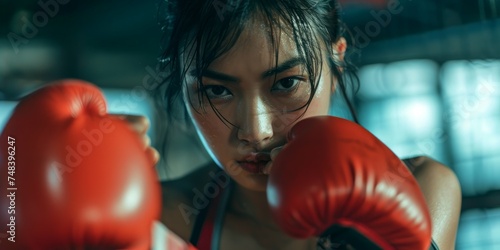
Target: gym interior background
x,y
429,71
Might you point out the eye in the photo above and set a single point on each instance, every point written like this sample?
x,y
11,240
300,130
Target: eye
x,y
287,84
216,92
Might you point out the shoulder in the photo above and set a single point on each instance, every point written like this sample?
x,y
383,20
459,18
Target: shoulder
x,y
436,177
427,169
443,195
180,202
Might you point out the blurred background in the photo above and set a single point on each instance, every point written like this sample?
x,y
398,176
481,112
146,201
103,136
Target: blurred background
x,y
429,71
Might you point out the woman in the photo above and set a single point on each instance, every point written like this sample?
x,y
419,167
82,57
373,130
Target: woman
x,y
246,72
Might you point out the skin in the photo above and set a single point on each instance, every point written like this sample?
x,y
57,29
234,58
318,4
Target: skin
x,y
260,127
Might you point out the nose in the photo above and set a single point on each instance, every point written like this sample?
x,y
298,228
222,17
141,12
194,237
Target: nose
x,y
255,126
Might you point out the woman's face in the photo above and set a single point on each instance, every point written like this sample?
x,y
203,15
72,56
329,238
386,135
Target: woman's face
x,y
256,95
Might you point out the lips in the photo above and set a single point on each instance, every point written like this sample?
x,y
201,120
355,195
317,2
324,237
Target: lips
x,y
255,162
253,167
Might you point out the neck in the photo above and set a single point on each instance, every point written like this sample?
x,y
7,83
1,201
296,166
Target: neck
x,y
252,208
252,205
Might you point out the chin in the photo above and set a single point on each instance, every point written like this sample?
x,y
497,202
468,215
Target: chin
x,y
254,183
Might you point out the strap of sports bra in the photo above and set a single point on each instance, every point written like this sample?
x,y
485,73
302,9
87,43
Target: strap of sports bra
x,y
208,222
198,225
219,219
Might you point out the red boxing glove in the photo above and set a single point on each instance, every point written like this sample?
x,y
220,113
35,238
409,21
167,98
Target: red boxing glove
x,y
336,180
71,176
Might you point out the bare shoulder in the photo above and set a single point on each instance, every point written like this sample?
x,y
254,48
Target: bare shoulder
x,y
180,207
429,171
442,192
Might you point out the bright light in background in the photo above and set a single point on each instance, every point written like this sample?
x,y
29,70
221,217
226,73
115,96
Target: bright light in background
x,y
406,78
474,138
471,77
399,103
6,108
472,99
130,102
421,115
409,126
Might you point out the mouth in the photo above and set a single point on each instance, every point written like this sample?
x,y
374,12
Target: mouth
x,y
255,162
253,167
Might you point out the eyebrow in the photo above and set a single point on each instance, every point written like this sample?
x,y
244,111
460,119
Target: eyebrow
x,y
283,67
227,78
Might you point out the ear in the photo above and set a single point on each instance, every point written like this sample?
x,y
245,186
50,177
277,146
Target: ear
x,y
339,49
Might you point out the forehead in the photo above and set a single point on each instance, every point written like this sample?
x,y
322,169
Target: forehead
x,y
259,43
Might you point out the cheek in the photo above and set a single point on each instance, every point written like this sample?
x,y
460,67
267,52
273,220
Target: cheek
x,y
214,135
207,124
210,127
321,101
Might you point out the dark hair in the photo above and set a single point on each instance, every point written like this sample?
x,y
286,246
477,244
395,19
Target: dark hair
x,y
212,27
